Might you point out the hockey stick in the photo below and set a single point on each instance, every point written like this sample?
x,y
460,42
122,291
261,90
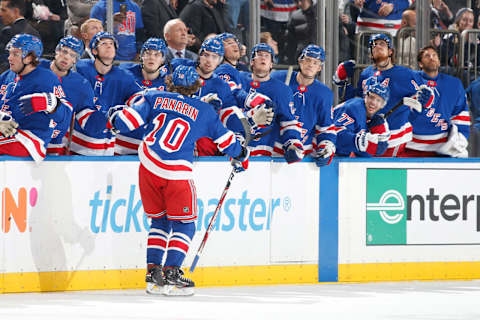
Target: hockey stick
x,y
412,103
289,75
248,137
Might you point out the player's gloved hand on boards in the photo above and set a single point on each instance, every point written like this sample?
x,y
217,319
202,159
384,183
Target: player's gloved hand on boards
x,y
326,150
293,151
8,126
213,99
371,143
425,96
344,71
35,102
261,115
112,113
378,124
240,162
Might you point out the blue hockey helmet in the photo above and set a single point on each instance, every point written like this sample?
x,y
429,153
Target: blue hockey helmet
x,y
184,76
72,43
377,85
154,44
27,43
225,36
379,36
102,35
212,45
262,47
313,51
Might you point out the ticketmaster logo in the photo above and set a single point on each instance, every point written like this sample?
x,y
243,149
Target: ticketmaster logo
x,y
386,209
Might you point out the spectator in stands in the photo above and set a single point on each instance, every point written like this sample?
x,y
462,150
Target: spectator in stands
x,y
348,21
441,16
274,16
406,39
50,22
11,14
382,16
450,43
443,128
238,22
78,11
204,17
301,29
128,29
155,14
176,35
88,30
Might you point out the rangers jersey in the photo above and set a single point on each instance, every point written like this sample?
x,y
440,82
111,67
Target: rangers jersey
x,y
312,109
431,127
90,136
36,130
370,20
174,123
402,82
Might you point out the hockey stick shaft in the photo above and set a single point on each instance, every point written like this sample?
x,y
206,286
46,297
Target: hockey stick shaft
x,y
248,137
212,221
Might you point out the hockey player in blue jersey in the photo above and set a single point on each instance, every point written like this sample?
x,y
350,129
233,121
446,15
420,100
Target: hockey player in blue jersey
x,y
262,89
402,82
174,122
111,86
313,104
443,128
361,129
228,69
33,98
69,49
149,75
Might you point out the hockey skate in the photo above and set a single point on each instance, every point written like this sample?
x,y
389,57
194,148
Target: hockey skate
x,y
155,281
175,284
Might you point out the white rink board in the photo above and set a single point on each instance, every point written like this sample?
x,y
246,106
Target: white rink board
x,y
77,222
426,240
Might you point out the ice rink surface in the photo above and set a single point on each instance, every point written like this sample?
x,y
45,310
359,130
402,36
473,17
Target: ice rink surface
x,y
446,300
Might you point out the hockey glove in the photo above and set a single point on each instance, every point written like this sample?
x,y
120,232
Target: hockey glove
x,y
344,71
425,96
456,145
293,151
112,113
213,99
240,162
255,99
378,124
326,150
8,127
370,143
35,102
261,115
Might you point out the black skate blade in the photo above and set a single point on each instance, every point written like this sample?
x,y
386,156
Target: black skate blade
x,y
174,291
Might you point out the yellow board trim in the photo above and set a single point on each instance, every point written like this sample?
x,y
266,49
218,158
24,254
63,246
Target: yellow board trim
x,y
135,278
366,272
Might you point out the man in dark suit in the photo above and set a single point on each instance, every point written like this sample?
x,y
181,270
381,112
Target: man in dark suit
x,y
11,13
155,15
176,35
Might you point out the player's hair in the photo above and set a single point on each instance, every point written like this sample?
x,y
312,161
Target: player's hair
x,y
35,60
84,26
423,50
19,4
186,91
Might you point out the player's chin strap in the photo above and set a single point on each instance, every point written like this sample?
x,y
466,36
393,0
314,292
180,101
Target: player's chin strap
x,y
101,61
230,62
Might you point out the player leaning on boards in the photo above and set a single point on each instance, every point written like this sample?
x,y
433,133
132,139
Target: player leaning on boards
x,y
402,83
313,105
149,75
174,122
69,49
443,128
33,107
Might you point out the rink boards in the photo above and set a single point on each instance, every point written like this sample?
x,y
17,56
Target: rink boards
x,y
76,223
